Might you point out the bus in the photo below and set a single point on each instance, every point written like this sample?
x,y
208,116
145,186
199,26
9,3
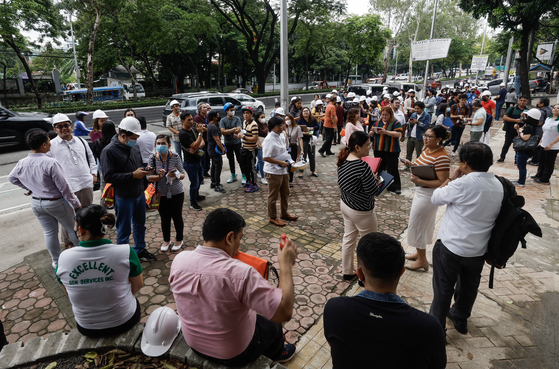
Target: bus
x,y
102,94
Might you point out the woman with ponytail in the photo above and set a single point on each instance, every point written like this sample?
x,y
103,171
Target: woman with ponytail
x,y
100,278
358,188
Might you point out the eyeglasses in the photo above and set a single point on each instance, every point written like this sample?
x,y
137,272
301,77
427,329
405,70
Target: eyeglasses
x,y
62,126
428,136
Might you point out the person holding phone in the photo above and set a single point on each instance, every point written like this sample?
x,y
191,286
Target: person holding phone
x,y
458,112
386,134
423,213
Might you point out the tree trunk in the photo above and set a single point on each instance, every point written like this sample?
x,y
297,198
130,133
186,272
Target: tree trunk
x,y
524,63
91,51
209,74
307,69
11,42
151,74
261,79
5,68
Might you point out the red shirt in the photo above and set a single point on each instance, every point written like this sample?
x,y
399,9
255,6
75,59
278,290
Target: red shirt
x,y
489,106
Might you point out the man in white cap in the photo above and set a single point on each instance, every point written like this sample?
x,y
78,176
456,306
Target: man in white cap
x,y
174,125
77,161
122,166
52,200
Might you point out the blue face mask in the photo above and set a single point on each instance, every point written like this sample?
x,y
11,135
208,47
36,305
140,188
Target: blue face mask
x,y
162,149
131,143
448,110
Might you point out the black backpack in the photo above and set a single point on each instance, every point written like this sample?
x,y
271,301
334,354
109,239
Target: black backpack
x,y
511,226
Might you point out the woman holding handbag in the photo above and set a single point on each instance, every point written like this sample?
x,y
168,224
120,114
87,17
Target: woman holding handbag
x,y
523,144
168,182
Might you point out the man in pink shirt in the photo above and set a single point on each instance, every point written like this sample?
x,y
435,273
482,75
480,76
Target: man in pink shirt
x,y
230,315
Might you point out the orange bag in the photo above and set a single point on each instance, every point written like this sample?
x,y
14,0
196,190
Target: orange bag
x,y
342,133
262,266
108,196
366,122
153,197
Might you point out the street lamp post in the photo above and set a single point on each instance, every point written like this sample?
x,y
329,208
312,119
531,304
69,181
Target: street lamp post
x,y
427,61
74,48
284,80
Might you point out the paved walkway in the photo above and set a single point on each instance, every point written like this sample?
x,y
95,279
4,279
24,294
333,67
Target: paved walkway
x,y
513,325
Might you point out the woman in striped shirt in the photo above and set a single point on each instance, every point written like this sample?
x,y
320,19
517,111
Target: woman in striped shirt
x,y
423,213
358,188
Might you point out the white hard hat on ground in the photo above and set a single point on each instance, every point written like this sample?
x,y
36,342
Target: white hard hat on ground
x,y
162,327
99,114
131,124
534,113
59,118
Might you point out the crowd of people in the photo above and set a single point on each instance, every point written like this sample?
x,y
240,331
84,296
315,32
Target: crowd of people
x,y
230,315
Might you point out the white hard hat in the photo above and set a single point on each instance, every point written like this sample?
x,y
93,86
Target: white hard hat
x,y
338,99
59,118
328,96
174,102
99,114
375,98
396,93
534,113
130,124
411,90
362,98
319,102
502,85
486,93
351,94
387,96
334,91
294,98
280,111
162,327
369,92
356,100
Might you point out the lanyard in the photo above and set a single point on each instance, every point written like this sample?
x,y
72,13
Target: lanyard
x,y
163,165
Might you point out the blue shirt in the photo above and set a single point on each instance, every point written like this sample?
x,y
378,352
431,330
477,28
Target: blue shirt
x,y
421,126
502,95
80,129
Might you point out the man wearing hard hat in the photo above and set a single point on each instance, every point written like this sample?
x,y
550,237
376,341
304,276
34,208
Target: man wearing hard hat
x,y
121,162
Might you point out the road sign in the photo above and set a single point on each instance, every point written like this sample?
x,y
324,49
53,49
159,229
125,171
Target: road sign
x,y
545,52
430,49
479,62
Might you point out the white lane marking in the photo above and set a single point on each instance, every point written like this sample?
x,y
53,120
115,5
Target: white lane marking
x,y
15,207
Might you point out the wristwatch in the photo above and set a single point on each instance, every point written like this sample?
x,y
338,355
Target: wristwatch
x,y
199,134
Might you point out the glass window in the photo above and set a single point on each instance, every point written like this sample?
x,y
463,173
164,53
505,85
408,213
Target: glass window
x,y
232,100
216,101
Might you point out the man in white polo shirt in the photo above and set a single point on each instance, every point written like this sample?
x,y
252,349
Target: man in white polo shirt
x,y
78,162
473,198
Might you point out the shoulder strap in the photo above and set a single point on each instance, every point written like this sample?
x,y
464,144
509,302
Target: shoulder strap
x,y
85,149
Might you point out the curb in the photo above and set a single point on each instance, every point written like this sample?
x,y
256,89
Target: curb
x,y
61,344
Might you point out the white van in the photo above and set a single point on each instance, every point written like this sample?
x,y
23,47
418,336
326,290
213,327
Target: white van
x,y
129,91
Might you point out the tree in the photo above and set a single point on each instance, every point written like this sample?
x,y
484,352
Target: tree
x,y
41,16
530,16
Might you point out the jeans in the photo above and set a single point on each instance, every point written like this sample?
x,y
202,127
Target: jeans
x,y
267,340
413,144
454,275
85,196
131,209
521,160
232,151
509,137
215,172
260,163
328,137
178,149
248,161
456,132
498,110
546,164
171,209
195,175
49,214
310,152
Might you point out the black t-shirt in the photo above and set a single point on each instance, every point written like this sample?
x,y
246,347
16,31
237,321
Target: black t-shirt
x,y
187,138
365,333
213,130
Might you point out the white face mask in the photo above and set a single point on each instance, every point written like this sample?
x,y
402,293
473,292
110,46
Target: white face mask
x,y
288,123
262,120
230,113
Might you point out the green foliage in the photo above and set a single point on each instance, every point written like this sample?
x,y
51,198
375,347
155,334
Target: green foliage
x,y
71,107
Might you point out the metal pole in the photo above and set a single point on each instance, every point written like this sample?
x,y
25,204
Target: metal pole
x,y
396,65
507,63
274,86
427,61
482,45
284,78
74,48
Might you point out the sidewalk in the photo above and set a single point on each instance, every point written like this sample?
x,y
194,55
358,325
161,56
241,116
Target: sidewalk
x,y
513,325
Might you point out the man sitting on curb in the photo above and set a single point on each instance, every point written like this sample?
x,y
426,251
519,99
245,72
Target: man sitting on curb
x,y
377,327
231,315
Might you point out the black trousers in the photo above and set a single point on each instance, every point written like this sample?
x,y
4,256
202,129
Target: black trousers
x,y
389,162
454,275
509,137
267,340
115,330
310,153
293,153
248,162
171,209
328,138
546,164
206,160
232,151
3,340
215,172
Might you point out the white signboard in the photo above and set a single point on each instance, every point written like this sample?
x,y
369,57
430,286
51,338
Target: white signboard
x,y
545,52
479,62
430,49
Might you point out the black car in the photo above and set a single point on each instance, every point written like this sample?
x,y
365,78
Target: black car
x,y
15,127
189,102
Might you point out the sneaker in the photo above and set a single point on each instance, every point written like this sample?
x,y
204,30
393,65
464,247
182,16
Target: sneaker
x,y
196,207
200,198
164,247
219,188
264,180
54,265
517,184
251,188
145,255
232,179
246,184
244,180
532,163
287,353
453,153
